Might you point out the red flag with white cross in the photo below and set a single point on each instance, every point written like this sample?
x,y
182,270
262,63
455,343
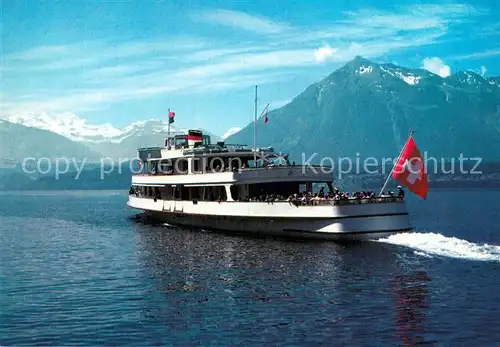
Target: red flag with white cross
x,y
410,170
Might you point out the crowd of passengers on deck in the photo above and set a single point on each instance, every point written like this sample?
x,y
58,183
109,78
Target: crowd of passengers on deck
x,y
320,198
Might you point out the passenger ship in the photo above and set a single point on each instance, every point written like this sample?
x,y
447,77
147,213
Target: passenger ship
x,y
193,183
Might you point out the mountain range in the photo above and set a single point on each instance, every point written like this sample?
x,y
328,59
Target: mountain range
x,y
18,142
363,109
49,135
367,109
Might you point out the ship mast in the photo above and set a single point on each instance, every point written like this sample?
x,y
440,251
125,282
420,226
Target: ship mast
x,y
168,136
255,131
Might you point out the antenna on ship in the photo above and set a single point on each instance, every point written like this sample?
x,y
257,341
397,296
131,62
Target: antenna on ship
x,y
168,127
255,131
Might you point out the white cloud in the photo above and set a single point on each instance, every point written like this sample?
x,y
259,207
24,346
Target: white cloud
x,y
83,100
252,61
478,55
241,20
412,17
374,19
324,53
375,48
43,52
493,29
137,87
449,10
437,66
88,54
204,55
230,132
483,70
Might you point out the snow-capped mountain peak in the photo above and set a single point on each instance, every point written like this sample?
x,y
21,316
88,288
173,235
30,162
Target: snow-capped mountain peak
x,y
364,69
78,129
469,77
494,81
145,127
409,77
67,125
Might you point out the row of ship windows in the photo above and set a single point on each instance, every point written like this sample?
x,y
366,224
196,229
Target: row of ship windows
x,y
212,193
220,193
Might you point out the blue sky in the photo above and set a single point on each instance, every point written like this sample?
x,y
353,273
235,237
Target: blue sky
x,y
124,61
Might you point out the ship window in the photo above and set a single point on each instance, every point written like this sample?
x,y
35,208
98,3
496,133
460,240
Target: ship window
x,y
167,193
177,192
284,189
235,193
244,163
165,167
198,164
206,140
195,193
153,167
185,193
235,163
316,187
215,193
181,166
181,141
216,164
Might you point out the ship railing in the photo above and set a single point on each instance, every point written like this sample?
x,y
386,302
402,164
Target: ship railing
x,y
298,203
353,201
337,202
236,170
163,173
284,167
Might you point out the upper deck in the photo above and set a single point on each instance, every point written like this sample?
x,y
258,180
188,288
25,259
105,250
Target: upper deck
x,y
297,173
191,159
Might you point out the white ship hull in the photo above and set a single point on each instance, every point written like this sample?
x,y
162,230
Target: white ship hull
x,y
334,222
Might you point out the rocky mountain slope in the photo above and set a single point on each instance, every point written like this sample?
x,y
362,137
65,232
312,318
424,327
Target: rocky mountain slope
x,y
368,109
18,142
104,139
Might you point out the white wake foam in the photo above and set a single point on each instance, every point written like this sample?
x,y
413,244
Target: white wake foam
x,y
437,244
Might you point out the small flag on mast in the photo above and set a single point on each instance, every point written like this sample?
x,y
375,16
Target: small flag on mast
x,y
171,116
265,112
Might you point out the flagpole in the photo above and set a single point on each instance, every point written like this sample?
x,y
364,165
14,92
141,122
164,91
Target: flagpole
x,y
395,163
265,109
255,131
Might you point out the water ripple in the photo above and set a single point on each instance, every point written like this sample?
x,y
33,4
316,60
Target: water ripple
x,y
73,273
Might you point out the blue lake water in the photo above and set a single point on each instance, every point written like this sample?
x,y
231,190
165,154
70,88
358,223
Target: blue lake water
x,y
76,269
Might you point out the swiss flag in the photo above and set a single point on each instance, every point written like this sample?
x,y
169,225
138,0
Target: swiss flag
x,y
171,116
410,170
265,112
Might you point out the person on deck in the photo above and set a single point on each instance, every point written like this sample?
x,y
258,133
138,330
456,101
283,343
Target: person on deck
x,y
401,192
